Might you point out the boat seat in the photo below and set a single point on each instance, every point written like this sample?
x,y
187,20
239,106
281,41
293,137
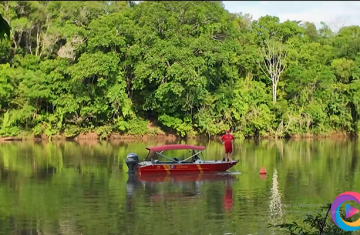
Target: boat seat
x,y
154,161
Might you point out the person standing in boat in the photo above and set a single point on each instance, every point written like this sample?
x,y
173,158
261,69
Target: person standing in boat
x,y
228,141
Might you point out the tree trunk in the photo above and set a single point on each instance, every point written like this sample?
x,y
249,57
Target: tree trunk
x,y
37,42
28,41
274,92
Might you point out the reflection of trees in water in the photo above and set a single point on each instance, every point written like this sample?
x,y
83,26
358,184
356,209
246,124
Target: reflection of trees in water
x,y
280,146
171,189
45,173
4,173
36,226
190,188
66,227
66,189
354,163
275,199
214,204
150,188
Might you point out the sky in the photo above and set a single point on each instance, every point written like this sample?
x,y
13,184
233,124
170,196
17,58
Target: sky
x,y
335,14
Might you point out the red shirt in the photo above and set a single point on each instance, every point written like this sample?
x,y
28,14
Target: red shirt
x,y
227,139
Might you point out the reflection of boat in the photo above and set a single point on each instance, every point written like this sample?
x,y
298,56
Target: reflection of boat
x,y
186,177
192,164
175,187
132,185
189,184
228,197
173,196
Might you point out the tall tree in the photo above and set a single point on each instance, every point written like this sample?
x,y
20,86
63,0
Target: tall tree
x,y
273,62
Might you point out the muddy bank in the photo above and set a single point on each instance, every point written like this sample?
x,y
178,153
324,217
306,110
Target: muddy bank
x,y
333,135
92,136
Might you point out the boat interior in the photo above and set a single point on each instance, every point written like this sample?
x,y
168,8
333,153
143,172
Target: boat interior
x,y
176,160
153,159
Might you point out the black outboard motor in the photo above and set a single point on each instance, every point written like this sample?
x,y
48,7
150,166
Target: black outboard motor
x,y
132,161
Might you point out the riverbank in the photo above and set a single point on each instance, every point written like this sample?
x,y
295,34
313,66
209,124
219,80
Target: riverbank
x,y
169,137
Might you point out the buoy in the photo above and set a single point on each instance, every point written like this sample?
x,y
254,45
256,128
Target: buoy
x,y
262,171
262,176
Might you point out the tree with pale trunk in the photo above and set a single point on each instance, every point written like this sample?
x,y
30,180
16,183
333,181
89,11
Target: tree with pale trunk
x,y
273,62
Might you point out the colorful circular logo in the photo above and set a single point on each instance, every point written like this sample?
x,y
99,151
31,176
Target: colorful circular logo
x,y
350,211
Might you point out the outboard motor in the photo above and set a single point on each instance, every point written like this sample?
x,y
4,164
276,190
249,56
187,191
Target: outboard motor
x,y
132,161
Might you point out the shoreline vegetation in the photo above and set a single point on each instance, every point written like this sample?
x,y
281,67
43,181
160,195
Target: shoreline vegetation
x,y
172,70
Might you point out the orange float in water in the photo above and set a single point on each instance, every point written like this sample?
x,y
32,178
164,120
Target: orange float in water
x,y
263,176
262,171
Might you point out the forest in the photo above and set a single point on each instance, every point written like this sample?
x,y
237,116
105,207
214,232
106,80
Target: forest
x,y
188,68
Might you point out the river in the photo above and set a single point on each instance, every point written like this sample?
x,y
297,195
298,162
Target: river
x,y
83,188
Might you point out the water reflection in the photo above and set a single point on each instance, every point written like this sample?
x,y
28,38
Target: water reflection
x,y
132,186
275,206
179,187
228,196
77,188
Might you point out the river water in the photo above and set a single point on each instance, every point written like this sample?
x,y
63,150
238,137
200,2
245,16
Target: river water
x,y
83,188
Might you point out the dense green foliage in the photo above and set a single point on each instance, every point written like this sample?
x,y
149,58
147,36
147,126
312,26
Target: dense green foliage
x,y
188,67
4,28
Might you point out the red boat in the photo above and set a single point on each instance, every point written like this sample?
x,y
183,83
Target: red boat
x,y
191,164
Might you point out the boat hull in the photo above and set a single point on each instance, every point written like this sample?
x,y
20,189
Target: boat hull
x,y
174,168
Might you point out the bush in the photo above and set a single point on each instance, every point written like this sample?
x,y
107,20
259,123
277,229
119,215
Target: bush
x,y
313,224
